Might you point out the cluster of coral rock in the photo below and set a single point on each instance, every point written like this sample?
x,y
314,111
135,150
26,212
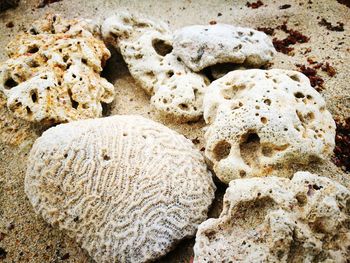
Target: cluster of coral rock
x,y
129,189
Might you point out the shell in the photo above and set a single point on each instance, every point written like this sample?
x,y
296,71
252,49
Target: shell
x,y
146,47
53,73
125,187
263,121
275,219
201,46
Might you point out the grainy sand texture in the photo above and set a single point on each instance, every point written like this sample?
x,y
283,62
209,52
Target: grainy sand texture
x,y
24,236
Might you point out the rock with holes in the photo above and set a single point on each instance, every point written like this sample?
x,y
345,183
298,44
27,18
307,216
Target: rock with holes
x,y
146,46
201,46
262,121
275,219
53,73
125,187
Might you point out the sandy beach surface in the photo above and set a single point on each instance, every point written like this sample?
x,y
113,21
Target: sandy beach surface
x,y
24,236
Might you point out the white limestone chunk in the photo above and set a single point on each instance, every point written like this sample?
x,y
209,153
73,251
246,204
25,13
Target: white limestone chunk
x,y
53,73
127,189
201,46
275,219
262,121
146,47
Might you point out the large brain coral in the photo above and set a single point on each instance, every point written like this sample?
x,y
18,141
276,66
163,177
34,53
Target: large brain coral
x,y
53,73
126,188
274,219
262,121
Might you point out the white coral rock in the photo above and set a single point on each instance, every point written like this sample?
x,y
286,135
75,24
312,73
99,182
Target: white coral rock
x,y
201,46
125,187
275,219
53,74
146,46
262,121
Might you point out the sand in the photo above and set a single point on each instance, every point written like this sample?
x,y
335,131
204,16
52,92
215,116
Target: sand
x,y
24,236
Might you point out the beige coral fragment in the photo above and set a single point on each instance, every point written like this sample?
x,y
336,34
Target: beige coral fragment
x,y
125,187
201,46
146,46
53,73
262,121
275,219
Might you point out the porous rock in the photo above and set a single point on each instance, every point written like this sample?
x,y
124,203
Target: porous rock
x,y
53,73
275,219
262,121
125,187
146,47
201,46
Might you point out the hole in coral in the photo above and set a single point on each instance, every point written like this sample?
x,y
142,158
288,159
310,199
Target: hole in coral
x,y
125,134
29,111
34,95
209,75
299,95
295,78
267,102
33,31
65,58
170,73
106,157
238,47
316,187
242,173
10,83
65,155
183,106
195,93
74,103
310,117
33,64
161,47
250,147
263,120
33,49
300,116
210,235
221,150
84,61
150,74
302,199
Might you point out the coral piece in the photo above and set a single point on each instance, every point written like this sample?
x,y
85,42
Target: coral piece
x,y
53,74
202,46
275,219
125,187
263,121
146,46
